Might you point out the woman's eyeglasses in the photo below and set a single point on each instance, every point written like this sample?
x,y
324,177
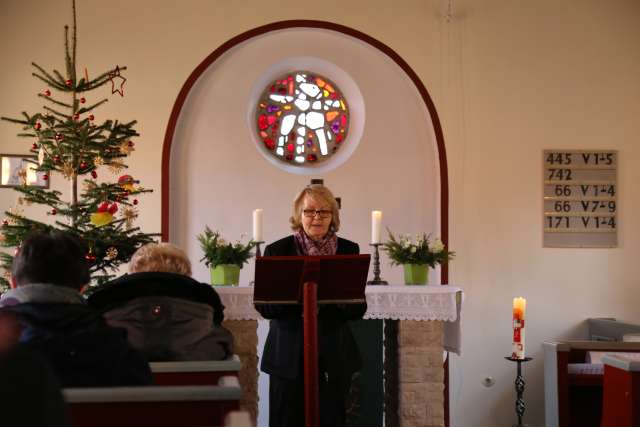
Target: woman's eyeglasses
x,y
322,213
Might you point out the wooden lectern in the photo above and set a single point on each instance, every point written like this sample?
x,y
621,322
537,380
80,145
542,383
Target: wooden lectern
x,y
311,280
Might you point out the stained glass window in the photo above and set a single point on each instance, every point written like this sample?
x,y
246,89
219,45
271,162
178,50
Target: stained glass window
x,y
302,118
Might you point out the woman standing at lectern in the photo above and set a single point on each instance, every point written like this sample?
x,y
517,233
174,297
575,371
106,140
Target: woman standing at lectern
x,y
315,221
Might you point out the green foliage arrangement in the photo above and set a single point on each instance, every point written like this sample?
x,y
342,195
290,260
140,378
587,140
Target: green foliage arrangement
x,y
403,250
218,251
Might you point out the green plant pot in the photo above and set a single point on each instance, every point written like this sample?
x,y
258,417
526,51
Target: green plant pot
x,y
225,275
416,274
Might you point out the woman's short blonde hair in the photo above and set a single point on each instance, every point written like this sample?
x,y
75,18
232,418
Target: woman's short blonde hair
x,y
320,192
162,257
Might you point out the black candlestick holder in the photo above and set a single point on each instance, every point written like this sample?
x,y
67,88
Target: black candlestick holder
x,y
258,252
519,383
258,255
376,267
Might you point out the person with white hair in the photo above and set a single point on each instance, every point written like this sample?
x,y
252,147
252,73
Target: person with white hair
x,y
169,316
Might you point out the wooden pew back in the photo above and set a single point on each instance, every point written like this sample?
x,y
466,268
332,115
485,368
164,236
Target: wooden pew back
x,y
575,398
205,372
621,403
158,406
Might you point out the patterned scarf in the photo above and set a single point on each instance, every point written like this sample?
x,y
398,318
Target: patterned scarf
x,y
307,246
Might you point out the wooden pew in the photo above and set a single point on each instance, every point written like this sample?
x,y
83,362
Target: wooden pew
x,y
573,386
205,372
158,406
621,385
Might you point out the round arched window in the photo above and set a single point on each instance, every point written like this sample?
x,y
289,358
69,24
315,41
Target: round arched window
x,y
302,118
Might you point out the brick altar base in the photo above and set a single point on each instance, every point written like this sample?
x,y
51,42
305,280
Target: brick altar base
x,y
421,376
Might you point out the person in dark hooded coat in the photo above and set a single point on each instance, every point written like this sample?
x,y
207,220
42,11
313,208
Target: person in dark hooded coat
x,y
169,315
57,325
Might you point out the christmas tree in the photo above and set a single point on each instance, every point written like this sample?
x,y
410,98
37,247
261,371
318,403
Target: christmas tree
x,y
68,141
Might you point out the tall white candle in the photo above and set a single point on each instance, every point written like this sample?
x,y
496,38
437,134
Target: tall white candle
x,y
257,225
376,222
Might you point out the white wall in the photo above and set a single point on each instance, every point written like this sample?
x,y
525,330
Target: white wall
x,y
508,79
535,76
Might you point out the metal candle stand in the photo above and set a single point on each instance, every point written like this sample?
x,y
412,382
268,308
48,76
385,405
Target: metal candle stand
x,y
376,267
390,345
258,252
519,383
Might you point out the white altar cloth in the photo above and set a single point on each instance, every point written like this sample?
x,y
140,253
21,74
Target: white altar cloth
x,y
398,302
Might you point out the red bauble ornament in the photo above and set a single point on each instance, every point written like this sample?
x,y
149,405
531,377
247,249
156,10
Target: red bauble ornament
x,y
82,100
69,82
76,116
38,126
135,201
94,174
90,257
34,146
91,117
45,177
54,211
47,92
83,165
59,137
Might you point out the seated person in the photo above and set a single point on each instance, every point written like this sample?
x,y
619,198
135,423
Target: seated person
x,y
56,323
169,315
29,391
10,331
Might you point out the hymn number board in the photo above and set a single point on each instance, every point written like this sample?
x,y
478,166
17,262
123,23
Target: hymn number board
x,y
580,193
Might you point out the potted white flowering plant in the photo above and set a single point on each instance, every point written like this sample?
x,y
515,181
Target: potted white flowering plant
x,y
416,256
225,259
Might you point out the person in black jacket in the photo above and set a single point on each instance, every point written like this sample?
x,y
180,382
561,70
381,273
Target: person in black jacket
x,y
30,393
169,315
315,221
56,324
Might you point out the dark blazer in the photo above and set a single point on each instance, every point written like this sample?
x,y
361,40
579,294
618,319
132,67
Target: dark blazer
x,y
283,349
